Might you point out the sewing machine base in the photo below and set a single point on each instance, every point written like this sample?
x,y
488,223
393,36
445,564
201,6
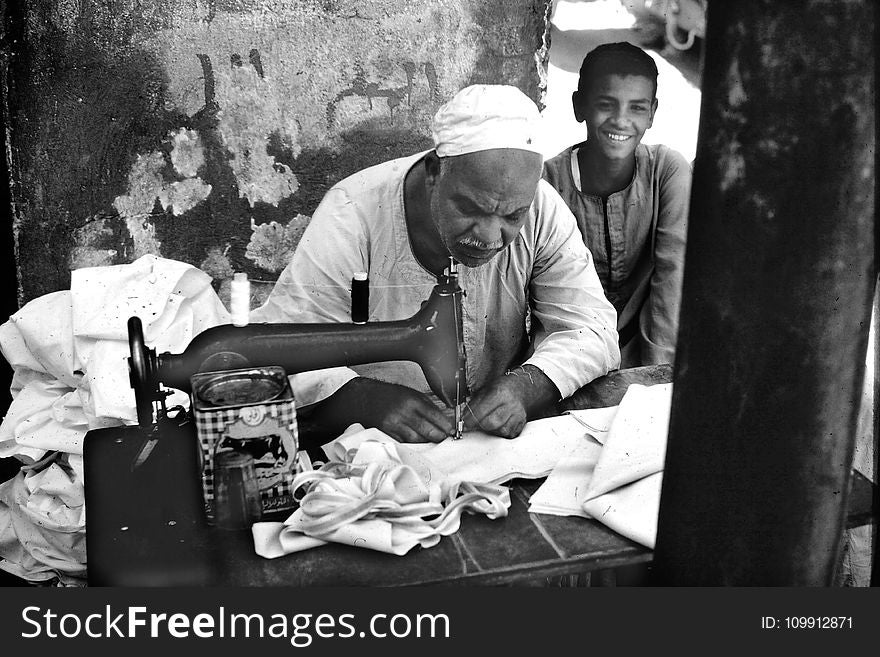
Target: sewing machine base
x,y
165,493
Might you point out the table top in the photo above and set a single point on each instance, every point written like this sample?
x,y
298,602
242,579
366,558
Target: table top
x,y
156,549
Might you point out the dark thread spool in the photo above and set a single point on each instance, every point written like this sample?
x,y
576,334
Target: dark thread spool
x,y
360,298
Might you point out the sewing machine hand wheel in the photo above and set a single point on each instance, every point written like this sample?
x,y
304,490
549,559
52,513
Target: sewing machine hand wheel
x,y
142,367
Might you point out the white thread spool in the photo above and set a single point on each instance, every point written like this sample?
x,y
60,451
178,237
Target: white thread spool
x,y
240,299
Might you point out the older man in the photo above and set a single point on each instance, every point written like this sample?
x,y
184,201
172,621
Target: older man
x,y
537,325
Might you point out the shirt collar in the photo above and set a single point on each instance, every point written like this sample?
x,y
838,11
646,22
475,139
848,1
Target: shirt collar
x,y
641,156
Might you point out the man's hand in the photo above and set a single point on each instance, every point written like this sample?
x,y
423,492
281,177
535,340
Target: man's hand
x,y
405,414
503,407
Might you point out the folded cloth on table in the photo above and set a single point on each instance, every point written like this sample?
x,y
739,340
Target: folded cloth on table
x,y
624,491
379,495
619,482
565,491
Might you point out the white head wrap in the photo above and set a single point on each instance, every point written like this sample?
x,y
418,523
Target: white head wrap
x,y
485,116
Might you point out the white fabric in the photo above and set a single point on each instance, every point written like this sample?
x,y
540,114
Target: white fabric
x,y
478,456
434,473
68,351
625,489
41,524
378,496
360,226
485,116
620,485
565,491
175,302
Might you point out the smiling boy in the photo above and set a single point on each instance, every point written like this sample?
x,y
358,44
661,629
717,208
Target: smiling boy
x,y
630,199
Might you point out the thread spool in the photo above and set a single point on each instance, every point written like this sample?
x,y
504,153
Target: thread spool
x,y
240,299
360,298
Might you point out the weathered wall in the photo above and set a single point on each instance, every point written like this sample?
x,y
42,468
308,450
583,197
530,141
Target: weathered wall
x,y
8,273
208,130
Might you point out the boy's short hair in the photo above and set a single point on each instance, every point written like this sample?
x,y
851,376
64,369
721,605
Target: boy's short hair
x,y
621,58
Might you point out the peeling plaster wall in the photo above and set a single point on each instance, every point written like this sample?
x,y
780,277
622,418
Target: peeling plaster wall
x,y
208,130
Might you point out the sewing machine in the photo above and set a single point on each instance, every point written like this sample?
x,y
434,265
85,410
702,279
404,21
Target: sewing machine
x,y
163,476
432,338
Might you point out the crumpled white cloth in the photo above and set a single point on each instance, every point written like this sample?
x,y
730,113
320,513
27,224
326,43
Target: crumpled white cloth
x,y
449,471
41,521
619,483
68,352
377,494
175,302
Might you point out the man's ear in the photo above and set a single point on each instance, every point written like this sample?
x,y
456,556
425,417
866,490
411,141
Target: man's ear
x,y
577,101
653,112
432,167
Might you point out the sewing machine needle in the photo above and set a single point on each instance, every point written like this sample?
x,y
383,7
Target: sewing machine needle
x,y
459,422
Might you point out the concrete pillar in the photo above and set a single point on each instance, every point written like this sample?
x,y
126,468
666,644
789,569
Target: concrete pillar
x,y
777,297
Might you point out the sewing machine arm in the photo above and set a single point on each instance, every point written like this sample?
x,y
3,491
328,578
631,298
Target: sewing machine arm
x,y
432,338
